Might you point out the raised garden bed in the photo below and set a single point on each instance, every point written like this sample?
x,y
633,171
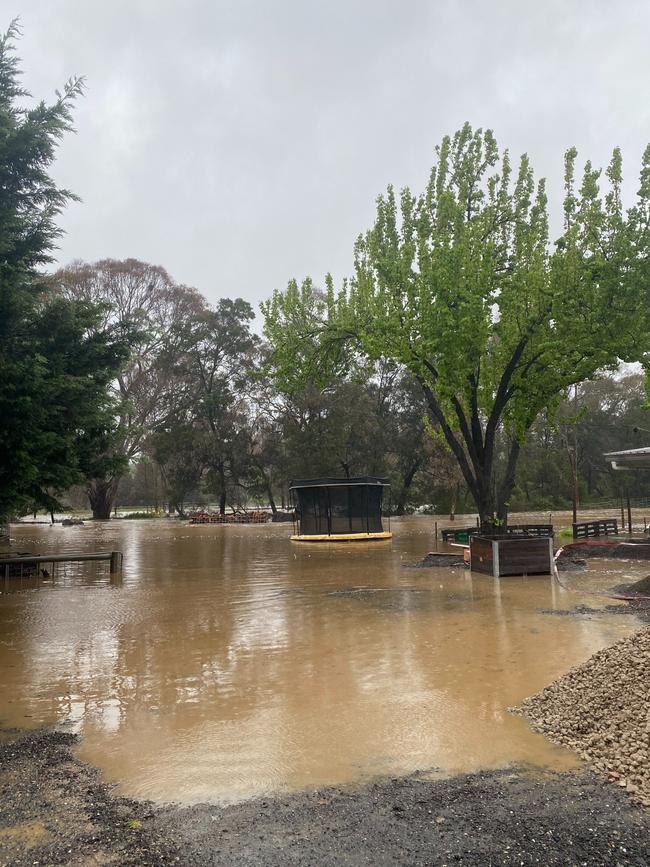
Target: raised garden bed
x,y
511,555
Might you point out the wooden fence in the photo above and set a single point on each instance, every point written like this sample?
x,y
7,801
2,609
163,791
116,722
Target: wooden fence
x,y
540,530
242,518
588,529
462,534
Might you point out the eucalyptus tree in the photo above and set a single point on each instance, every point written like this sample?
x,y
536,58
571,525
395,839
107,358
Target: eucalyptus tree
x,y
369,421
342,431
56,357
177,448
607,414
461,286
145,299
406,438
212,363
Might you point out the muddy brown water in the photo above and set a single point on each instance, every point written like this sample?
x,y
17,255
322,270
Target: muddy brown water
x,y
228,662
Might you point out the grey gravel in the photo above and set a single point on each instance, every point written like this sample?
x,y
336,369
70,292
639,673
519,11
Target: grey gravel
x,y
601,709
509,817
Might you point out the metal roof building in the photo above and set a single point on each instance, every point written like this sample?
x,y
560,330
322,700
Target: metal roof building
x,y
630,459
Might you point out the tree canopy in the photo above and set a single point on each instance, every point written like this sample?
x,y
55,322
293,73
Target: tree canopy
x,y
461,286
142,299
55,358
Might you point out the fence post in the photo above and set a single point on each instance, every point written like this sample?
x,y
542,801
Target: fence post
x,y
116,562
629,513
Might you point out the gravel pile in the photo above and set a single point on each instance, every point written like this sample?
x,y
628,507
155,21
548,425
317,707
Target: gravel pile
x,y
602,711
639,588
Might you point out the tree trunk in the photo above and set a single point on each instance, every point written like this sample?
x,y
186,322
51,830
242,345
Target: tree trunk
x,y
475,450
221,472
101,494
487,513
269,491
492,502
406,485
453,497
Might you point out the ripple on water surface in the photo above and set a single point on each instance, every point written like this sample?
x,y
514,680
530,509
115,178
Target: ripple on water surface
x,y
227,662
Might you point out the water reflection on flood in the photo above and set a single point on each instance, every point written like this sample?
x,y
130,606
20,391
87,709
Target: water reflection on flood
x,y
228,662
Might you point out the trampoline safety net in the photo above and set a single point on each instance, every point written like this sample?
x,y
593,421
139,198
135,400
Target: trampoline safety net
x,y
339,508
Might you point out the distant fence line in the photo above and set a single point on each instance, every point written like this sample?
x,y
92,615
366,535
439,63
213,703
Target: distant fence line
x,y
635,503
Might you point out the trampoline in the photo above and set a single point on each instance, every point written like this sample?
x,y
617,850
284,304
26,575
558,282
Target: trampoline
x,y
339,510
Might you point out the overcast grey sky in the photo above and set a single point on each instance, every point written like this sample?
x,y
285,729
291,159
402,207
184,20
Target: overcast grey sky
x,y
242,143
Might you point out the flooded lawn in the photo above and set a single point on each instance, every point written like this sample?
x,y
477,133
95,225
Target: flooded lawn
x,y
227,662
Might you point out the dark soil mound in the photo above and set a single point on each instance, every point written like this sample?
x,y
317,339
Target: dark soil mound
x,y
570,564
635,549
638,588
632,551
586,550
642,587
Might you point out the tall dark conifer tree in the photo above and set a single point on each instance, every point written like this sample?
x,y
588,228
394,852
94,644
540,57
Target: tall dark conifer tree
x,y
55,358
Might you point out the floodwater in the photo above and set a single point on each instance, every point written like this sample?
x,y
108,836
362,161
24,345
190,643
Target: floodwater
x,y
227,662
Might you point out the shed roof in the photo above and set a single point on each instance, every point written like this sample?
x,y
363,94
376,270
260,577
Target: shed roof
x,y
630,459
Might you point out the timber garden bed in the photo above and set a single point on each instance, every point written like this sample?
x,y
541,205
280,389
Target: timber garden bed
x,y
511,555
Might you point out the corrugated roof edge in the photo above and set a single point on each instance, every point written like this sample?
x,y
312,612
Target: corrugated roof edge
x,y
630,452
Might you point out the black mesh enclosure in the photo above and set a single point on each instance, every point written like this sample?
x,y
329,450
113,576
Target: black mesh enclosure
x,y
335,506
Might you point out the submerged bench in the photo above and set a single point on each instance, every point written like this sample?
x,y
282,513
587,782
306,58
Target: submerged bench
x,y
8,564
458,534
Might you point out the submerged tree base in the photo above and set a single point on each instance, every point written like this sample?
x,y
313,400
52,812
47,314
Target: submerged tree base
x,y
101,495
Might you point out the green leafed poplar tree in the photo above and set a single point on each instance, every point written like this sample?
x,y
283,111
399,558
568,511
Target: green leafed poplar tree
x,y
461,285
